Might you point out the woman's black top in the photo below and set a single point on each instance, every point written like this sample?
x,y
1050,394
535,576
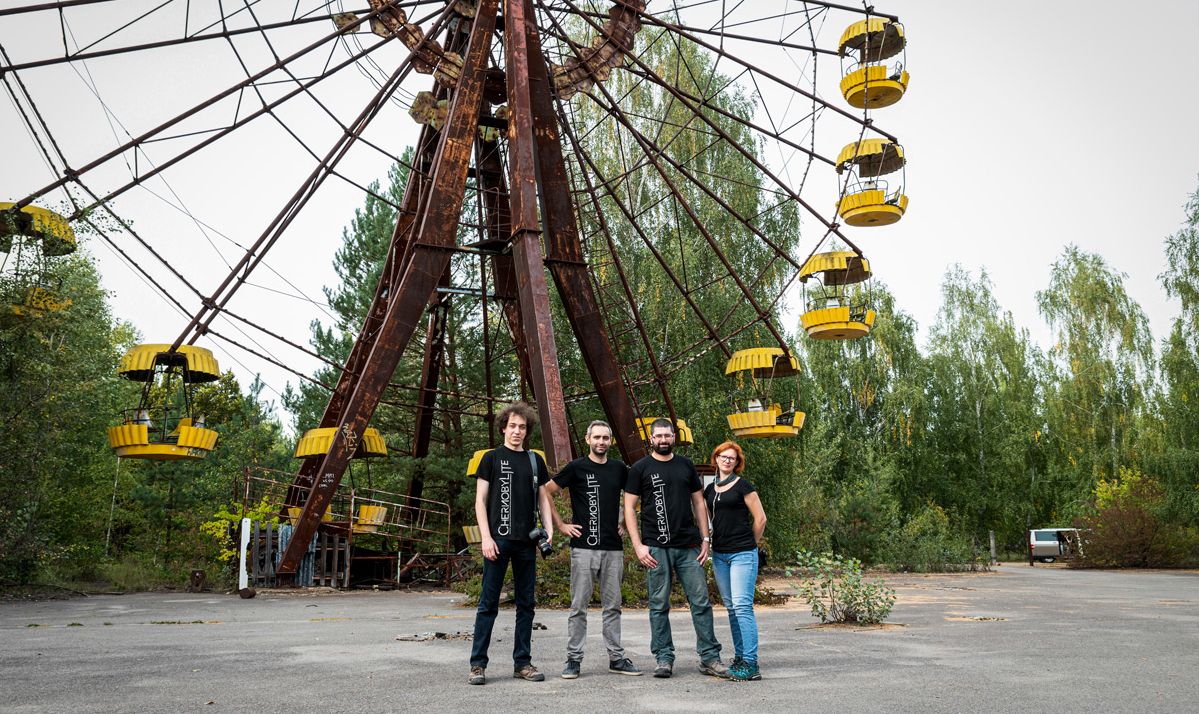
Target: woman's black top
x,y
732,527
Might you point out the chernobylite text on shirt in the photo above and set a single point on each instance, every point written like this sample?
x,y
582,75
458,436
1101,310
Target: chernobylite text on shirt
x,y
665,488
732,525
595,501
511,502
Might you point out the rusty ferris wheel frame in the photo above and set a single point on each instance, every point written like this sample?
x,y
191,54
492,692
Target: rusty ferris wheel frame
x,y
480,55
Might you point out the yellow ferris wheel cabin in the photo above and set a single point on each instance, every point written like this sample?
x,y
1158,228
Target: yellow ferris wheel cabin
x,y
32,236
832,312
683,434
164,426
316,442
869,200
762,418
869,83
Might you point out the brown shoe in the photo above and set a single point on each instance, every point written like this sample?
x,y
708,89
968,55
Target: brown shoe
x,y
530,673
477,676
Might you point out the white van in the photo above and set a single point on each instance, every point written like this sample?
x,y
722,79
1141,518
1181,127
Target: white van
x,y
1049,544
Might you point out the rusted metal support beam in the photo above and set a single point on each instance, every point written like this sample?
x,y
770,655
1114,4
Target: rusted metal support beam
x,y
564,257
498,219
439,310
410,207
526,239
430,256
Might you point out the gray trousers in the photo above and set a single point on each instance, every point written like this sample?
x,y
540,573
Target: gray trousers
x,y
587,566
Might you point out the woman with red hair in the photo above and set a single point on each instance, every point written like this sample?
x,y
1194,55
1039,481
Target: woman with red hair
x,y
738,521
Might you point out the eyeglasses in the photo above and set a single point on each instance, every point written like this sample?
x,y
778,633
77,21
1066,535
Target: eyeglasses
x,y
722,457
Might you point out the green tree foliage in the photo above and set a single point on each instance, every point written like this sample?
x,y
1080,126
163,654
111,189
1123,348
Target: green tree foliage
x,y
982,459
58,392
67,509
1177,417
1102,370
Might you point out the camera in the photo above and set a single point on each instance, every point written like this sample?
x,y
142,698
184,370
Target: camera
x,y
542,539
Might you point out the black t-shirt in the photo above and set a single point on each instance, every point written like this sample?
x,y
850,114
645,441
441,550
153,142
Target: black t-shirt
x,y
665,488
511,500
595,501
732,526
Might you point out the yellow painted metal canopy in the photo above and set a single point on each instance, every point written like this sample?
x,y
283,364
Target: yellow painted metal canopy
x,y
38,301
872,208
765,424
883,37
836,323
840,267
316,442
132,441
369,519
56,234
683,432
472,466
873,157
138,363
764,362
873,87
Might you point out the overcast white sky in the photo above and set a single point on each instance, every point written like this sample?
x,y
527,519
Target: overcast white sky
x,y
1028,126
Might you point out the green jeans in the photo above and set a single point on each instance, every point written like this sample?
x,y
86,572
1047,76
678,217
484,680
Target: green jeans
x,y
680,563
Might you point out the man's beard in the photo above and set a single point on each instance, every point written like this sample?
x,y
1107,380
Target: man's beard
x,y
664,448
599,449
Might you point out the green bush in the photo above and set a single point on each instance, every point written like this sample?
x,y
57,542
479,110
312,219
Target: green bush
x,y
1126,529
834,587
927,544
866,515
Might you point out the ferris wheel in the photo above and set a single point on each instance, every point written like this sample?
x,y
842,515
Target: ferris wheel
x,y
667,166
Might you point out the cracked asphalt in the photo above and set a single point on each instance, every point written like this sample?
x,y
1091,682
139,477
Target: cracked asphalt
x,y
1015,640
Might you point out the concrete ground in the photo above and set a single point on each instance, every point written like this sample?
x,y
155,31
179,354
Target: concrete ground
x,y
1043,639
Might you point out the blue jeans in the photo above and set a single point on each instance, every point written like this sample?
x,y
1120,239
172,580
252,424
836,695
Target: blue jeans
x,y
523,557
736,574
679,562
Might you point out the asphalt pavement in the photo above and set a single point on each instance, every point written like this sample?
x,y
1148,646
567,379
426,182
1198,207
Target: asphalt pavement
x,y
1019,639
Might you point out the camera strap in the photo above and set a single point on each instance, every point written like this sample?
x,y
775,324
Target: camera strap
x,y
533,468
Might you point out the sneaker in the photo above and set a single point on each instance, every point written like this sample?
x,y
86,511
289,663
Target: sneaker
x,y
664,670
714,668
530,673
477,676
747,672
737,662
623,666
571,670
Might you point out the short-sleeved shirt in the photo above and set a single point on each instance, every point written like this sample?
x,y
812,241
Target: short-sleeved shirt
x,y
665,488
595,501
511,499
732,526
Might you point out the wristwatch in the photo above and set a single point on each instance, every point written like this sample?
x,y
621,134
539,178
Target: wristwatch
x,y
707,539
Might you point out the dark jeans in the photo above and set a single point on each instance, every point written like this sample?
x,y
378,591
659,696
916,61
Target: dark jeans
x,y
523,556
680,563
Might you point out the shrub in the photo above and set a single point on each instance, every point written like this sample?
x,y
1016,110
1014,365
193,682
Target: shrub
x,y
927,544
835,589
1126,529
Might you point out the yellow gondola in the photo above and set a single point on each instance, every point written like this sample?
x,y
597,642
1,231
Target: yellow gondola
x,y
472,466
868,200
683,434
163,426
867,81
31,236
833,313
316,442
762,418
